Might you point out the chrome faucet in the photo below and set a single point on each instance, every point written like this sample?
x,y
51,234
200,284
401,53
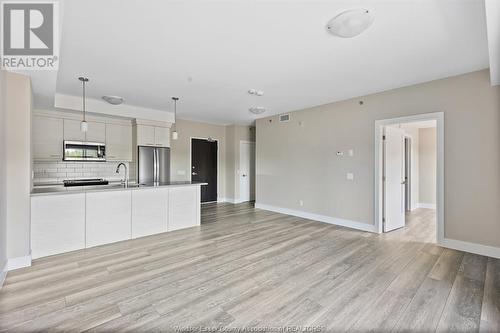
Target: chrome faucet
x,y
125,181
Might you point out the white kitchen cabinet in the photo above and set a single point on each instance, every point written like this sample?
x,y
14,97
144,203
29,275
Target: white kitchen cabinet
x,y
149,212
145,135
57,224
153,136
162,136
183,207
96,131
72,130
118,142
47,138
108,216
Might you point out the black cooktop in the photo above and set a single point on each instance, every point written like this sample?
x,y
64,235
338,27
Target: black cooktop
x,y
85,182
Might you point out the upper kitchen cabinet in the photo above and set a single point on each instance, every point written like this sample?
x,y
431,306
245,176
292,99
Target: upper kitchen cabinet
x,y
96,131
153,136
118,142
145,135
47,138
162,136
72,130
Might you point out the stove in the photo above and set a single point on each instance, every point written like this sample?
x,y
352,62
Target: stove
x,y
85,182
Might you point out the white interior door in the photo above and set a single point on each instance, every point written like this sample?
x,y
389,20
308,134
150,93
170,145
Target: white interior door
x,y
247,171
394,185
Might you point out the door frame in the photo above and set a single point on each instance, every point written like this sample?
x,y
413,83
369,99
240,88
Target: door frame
x,y
244,142
379,125
408,162
191,162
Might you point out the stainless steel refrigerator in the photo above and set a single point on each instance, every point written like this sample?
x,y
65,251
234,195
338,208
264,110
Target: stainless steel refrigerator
x,y
153,165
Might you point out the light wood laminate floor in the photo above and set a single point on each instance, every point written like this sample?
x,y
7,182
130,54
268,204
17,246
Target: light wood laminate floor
x,y
246,267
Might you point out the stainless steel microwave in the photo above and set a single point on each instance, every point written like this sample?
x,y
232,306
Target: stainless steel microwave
x,y
84,151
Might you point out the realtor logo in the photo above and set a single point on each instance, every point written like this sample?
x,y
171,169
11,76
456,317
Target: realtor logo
x,y
29,35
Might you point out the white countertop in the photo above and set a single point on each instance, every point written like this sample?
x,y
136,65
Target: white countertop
x,y
60,189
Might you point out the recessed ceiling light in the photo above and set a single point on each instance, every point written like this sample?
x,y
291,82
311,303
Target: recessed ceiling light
x,y
115,100
350,23
255,92
257,110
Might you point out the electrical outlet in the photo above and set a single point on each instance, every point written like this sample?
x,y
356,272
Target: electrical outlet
x,y
351,152
350,176
301,203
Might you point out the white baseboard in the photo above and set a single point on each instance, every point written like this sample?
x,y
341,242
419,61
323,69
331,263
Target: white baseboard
x,y
19,262
484,250
234,201
426,205
3,274
320,218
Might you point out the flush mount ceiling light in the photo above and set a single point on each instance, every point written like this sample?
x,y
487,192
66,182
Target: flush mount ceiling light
x,y
115,100
257,110
350,23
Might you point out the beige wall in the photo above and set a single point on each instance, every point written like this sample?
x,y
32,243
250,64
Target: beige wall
x,y
235,134
18,101
3,162
427,165
181,150
297,160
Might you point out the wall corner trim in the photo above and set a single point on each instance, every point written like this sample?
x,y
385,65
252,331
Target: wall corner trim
x,y
484,250
320,218
19,262
3,274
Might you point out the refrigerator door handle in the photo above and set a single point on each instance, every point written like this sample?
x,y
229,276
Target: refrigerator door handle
x,y
155,166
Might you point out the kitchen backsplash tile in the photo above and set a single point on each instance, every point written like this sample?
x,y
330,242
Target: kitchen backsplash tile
x,y
46,172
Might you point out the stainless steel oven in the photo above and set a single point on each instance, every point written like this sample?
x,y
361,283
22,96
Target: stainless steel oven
x,y
84,151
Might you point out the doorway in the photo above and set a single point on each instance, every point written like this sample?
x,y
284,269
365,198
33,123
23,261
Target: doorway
x,y
204,167
247,171
409,163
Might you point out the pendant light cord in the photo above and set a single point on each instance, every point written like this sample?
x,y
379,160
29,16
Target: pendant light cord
x,y
83,82
175,99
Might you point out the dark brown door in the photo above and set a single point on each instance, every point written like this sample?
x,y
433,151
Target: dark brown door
x,y
204,167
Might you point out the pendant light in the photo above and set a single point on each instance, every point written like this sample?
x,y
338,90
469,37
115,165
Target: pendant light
x,y
84,126
175,135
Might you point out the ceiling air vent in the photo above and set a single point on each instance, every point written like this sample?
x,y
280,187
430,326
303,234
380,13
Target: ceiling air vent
x,y
284,117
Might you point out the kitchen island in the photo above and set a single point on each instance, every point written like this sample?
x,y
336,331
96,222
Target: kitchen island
x,y
65,219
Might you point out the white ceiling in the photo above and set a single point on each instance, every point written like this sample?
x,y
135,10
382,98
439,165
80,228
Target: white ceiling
x,y
210,53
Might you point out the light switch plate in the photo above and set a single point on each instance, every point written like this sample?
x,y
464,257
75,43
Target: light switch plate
x,y
351,152
350,176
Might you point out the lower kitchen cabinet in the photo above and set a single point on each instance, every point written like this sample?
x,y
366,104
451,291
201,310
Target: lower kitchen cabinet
x,y
108,216
72,221
149,212
183,207
57,224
